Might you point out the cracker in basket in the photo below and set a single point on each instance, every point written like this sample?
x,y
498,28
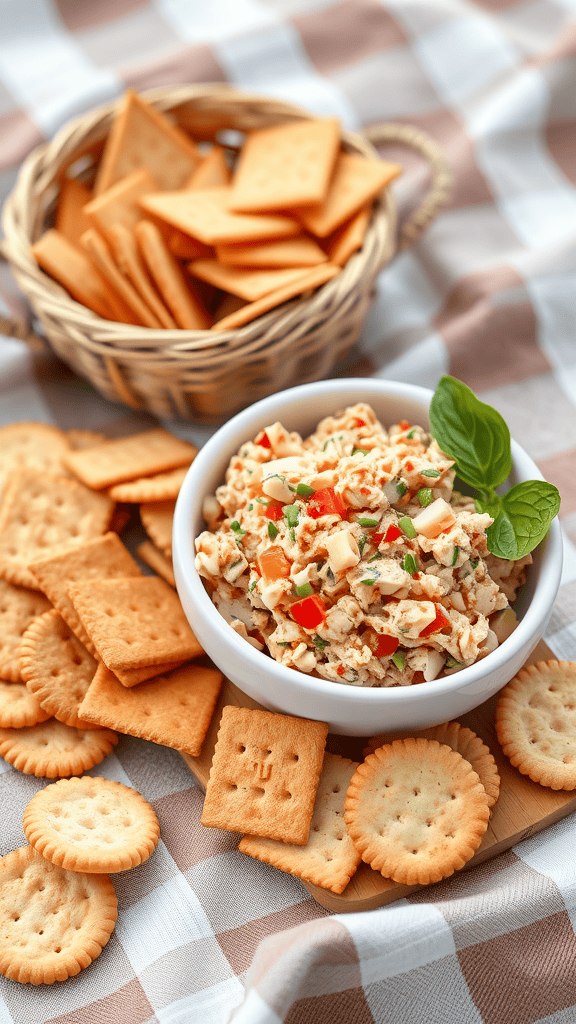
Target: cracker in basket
x,y
134,623
329,858
19,707
264,774
307,282
213,170
105,557
249,283
157,560
19,606
142,136
128,458
159,487
356,181
178,293
53,922
300,251
56,667
97,247
461,739
536,723
205,214
71,221
416,811
121,203
74,269
173,709
157,519
129,262
286,165
42,513
91,824
52,750
348,238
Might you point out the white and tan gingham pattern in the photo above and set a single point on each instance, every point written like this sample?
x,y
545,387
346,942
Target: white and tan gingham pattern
x,y
489,294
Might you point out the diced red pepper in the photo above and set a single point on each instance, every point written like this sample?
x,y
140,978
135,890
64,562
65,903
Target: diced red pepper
x,y
309,612
440,622
326,502
364,490
359,422
340,670
381,644
264,441
392,533
404,425
409,466
274,512
376,538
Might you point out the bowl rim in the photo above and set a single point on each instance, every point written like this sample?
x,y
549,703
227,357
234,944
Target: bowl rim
x,y
230,435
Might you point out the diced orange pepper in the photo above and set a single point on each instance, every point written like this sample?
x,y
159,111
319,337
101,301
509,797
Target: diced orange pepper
x,y
273,563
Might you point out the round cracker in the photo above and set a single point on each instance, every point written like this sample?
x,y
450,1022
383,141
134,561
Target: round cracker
x,y
461,739
52,750
416,811
53,922
536,723
91,824
19,707
19,606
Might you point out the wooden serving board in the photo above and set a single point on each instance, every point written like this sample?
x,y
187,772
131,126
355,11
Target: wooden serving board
x,y
522,809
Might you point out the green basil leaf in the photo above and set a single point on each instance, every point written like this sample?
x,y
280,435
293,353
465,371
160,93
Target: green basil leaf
x,y
525,515
472,433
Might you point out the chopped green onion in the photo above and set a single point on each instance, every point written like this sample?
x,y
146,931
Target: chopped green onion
x,y
250,507
291,513
272,531
375,557
362,543
304,590
326,443
452,663
364,521
253,583
319,642
474,563
409,564
455,555
236,562
424,496
430,472
262,502
283,643
399,660
292,535
304,490
235,525
375,575
359,451
411,433
401,488
407,526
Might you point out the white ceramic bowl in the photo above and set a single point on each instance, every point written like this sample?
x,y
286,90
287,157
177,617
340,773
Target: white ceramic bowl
x,y
350,710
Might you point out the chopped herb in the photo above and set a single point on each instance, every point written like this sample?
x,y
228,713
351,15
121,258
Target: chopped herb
x,y
253,584
375,557
330,577
452,663
326,443
407,526
362,543
291,513
430,472
272,530
399,660
411,433
409,564
283,643
375,576
262,502
359,451
235,525
424,496
292,532
236,562
245,454
250,507
304,590
401,488
365,521
319,642
304,490
474,563
249,471
455,555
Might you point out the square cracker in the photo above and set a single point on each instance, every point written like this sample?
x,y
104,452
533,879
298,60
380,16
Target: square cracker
x,y
177,292
300,251
157,560
173,709
134,622
310,279
42,514
264,774
248,283
142,136
157,519
98,248
120,204
286,165
127,458
329,858
74,269
105,557
204,213
356,181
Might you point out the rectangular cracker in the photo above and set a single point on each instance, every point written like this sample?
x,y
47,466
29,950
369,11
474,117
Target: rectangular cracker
x,y
158,487
329,858
308,281
173,709
356,181
287,165
134,676
129,262
177,292
300,251
142,136
157,518
98,248
212,171
127,458
157,560
71,221
205,214
134,622
348,238
120,204
103,558
264,774
249,283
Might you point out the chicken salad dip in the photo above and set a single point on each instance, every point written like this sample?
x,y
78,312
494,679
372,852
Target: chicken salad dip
x,y
349,555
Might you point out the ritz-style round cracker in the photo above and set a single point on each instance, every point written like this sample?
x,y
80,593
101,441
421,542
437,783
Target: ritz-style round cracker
x,y
416,811
52,750
53,922
19,607
91,824
19,707
536,723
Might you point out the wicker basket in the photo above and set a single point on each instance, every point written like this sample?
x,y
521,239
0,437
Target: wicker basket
x,y
202,375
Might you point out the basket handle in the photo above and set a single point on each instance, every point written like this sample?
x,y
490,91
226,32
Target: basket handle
x,y
442,178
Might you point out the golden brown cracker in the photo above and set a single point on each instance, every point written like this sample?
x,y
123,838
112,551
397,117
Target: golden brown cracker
x,y
19,606
53,922
416,811
143,137
174,709
71,221
329,858
134,622
300,251
286,165
30,445
56,667
159,487
134,676
128,458
157,560
42,514
52,750
19,707
158,519
213,170
309,281
356,181
79,438
348,238
248,283
99,250
264,774
177,292
536,723
129,261
91,824
120,204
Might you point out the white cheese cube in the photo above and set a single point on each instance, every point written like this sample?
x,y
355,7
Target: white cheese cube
x,y
431,521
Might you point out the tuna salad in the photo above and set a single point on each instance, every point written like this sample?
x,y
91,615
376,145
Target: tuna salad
x,y
349,555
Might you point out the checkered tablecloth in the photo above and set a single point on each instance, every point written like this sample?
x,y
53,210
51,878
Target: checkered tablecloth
x,y
204,933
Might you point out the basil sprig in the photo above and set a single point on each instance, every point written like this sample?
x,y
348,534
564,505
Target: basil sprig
x,y
477,438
